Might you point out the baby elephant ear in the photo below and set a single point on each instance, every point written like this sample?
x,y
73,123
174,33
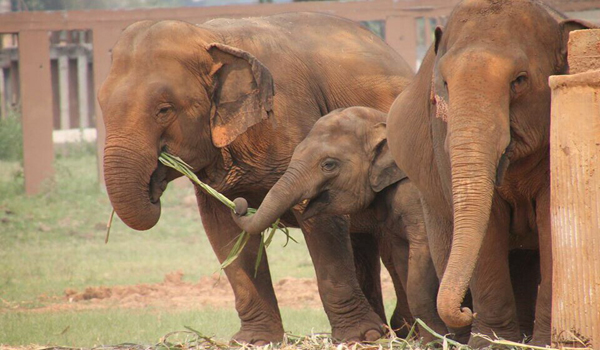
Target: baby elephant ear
x,y
243,93
384,171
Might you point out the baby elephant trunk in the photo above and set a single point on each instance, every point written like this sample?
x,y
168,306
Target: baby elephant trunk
x,y
281,198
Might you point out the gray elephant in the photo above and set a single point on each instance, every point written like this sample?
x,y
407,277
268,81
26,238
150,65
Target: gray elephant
x,y
233,98
342,167
471,131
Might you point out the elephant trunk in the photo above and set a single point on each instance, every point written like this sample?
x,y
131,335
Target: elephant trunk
x,y
287,192
478,134
130,173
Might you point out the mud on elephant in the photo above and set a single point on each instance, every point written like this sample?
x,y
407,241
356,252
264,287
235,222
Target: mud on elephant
x,y
233,98
344,167
472,132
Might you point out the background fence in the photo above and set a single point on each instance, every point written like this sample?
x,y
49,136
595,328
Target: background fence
x,y
52,63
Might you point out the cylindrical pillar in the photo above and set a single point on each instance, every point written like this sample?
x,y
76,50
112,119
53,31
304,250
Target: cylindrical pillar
x,y
575,209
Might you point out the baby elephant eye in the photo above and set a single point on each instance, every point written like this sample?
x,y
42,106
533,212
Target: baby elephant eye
x,y
329,165
519,84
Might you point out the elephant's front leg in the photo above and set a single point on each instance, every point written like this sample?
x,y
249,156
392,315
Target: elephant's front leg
x,y
350,314
543,307
365,247
422,288
491,288
255,299
439,237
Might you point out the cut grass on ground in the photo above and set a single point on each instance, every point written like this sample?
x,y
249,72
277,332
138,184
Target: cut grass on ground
x,y
55,241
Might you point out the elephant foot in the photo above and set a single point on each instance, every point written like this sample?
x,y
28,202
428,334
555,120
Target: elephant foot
x,y
461,335
540,340
258,338
401,325
437,326
369,328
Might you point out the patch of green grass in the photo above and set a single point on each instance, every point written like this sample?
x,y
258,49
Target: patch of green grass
x,y
11,137
55,240
141,326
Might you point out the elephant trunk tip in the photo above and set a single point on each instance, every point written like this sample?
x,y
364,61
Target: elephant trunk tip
x,y
239,215
453,314
241,206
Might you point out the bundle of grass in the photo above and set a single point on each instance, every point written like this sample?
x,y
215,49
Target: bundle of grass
x,y
266,236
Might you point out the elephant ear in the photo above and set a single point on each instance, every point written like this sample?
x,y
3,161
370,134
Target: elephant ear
x,y
384,171
243,93
566,27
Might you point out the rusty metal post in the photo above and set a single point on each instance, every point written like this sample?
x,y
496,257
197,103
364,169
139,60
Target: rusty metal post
x,y
575,199
36,92
103,39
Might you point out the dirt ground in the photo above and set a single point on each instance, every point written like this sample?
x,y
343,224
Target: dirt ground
x,y
173,292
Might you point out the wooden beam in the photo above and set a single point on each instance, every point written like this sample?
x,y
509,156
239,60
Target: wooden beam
x,y
36,91
358,10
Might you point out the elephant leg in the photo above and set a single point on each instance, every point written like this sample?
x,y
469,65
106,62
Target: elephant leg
x,y
365,247
439,237
543,308
525,279
255,299
395,260
422,288
350,315
493,298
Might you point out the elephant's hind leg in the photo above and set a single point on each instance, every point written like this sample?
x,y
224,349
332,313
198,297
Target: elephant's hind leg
x,y
255,299
543,309
365,247
395,260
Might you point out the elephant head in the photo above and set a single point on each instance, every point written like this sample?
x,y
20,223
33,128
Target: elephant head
x,y
338,168
489,89
172,86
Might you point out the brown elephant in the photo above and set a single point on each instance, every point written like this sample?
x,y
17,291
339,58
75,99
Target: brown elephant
x,y
344,167
472,132
233,98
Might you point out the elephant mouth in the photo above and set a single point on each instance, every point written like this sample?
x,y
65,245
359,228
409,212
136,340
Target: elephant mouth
x,y
158,183
316,205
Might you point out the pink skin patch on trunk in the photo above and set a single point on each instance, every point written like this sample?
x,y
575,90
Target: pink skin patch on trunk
x,y
441,108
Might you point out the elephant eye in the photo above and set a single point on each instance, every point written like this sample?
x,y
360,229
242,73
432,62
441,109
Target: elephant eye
x,y
519,84
329,165
164,110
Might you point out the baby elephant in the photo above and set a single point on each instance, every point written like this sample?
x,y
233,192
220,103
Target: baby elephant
x,y
344,167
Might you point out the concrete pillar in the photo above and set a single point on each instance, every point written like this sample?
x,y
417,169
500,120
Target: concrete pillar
x,y
36,98
63,91
82,91
575,197
400,34
2,93
103,39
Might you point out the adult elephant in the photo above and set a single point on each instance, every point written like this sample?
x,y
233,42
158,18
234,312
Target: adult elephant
x,y
472,132
232,98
